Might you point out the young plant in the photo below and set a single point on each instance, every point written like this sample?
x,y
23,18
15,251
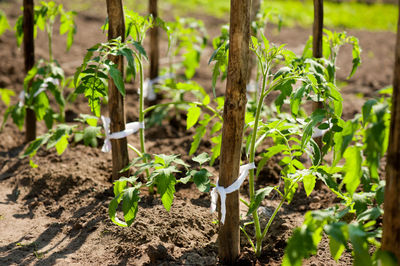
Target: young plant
x,y
163,171
45,16
357,220
46,75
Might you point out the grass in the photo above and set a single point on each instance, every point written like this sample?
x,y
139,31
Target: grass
x,y
349,15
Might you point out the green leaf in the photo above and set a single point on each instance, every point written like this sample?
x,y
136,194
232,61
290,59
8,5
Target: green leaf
x,y
36,144
200,131
140,49
290,189
309,183
316,117
336,248
202,158
202,180
166,188
62,144
130,200
112,210
90,135
17,114
3,23
6,95
370,214
192,116
216,149
366,110
48,118
117,78
353,168
259,197
119,186
40,105
360,246
317,158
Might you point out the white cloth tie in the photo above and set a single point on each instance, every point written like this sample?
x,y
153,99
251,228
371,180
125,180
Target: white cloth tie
x,y
148,91
130,128
222,191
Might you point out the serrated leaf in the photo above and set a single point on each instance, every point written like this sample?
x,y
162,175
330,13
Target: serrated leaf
x,y
309,183
62,144
353,168
202,180
35,145
90,136
130,200
112,210
202,158
6,95
259,197
166,188
200,131
193,115
140,49
117,78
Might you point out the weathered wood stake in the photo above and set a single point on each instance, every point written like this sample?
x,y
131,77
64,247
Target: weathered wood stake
x,y
391,217
29,57
154,50
116,29
317,48
232,131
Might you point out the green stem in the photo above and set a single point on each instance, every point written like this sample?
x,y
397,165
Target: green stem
x,y
141,117
251,176
271,219
49,38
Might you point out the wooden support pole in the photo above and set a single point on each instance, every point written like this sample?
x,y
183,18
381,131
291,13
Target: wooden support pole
x,y
116,29
391,216
318,27
317,50
29,58
154,50
232,131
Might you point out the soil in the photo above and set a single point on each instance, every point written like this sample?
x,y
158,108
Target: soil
x,y
57,214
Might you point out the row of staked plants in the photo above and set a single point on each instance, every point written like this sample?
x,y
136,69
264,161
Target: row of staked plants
x,y
356,144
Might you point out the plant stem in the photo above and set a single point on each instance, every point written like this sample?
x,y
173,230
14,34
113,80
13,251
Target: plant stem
x,y
251,176
141,117
49,38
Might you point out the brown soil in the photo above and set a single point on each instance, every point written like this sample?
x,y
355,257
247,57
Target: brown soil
x,y
57,213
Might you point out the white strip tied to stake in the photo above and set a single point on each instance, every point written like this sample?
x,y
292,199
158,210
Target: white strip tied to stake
x,y
222,191
130,128
148,91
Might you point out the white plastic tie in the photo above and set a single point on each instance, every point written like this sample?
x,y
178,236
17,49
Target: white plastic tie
x,y
222,191
21,98
130,128
148,91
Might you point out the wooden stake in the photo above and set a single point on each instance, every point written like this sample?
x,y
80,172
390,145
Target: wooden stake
x,y
318,27
116,29
29,57
391,217
317,53
154,51
232,131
